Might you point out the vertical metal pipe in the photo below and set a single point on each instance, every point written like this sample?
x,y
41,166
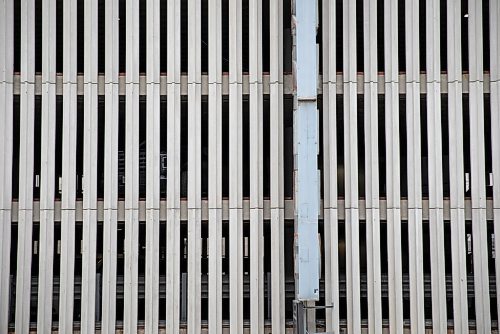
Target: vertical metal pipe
x,y
306,151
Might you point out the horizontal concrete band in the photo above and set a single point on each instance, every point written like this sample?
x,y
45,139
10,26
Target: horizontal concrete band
x,y
289,210
266,83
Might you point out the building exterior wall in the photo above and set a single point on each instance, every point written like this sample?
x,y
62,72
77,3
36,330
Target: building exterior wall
x,y
146,165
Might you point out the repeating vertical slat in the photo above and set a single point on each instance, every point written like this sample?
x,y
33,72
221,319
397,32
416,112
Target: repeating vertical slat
x,y
478,169
47,166
351,168
152,165
68,194
214,167
26,164
371,168
111,122
256,168
414,166
277,202
6,134
194,167
256,87
457,187
392,165
436,223
88,299
330,166
495,125
131,167
173,163
152,269
235,168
